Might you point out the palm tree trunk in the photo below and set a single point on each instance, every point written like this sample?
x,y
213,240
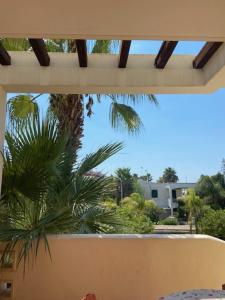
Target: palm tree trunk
x,y
69,110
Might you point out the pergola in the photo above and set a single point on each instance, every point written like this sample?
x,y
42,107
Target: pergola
x,y
125,20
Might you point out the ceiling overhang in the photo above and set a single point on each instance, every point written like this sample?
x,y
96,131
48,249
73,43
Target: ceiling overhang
x,y
64,74
118,19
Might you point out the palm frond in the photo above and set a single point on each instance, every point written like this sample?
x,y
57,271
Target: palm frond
x,y
22,107
31,157
16,44
124,117
134,98
92,160
104,46
43,194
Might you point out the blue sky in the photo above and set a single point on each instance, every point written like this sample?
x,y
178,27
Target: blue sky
x,y
185,132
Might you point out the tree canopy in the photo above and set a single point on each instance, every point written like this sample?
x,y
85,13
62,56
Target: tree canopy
x,y
169,175
212,190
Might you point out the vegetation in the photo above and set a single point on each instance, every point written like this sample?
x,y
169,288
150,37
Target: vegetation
x,y
212,190
133,213
169,221
153,211
124,182
44,192
195,207
148,177
128,183
213,223
182,210
169,175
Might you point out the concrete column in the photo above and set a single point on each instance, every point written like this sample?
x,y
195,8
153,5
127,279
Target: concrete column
x,y
2,127
171,201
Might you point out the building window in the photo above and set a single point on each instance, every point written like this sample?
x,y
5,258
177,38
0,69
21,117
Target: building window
x,y
154,193
174,194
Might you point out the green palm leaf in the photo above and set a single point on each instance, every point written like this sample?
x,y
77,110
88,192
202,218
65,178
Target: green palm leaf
x,y
92,160
43,193
124,117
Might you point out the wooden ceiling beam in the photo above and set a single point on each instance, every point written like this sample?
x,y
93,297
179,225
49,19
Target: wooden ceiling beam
x,y
82,53
40,50
5,58
164,54
124,53
205,54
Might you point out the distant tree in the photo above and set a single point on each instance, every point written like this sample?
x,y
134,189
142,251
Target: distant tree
x,y
147,177
135,176
212,190
137,187
169,175
124,182
124,174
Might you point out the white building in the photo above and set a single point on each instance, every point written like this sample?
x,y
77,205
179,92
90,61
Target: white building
x,y
165,194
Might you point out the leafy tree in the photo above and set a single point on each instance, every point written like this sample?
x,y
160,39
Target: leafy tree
x,y
213,223
152,211
212,190
132,215
43,192
169,175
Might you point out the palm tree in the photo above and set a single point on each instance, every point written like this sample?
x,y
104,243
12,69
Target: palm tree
x,y
169,175
69,109
195,208
44,193
124,183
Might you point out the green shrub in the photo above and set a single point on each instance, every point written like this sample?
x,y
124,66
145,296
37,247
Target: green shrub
x,y
131,215
169,221
153,211
134,221
213,223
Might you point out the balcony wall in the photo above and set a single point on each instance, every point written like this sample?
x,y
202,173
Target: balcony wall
x,y
115,267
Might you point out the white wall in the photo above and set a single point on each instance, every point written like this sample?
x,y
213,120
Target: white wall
x,y
163,191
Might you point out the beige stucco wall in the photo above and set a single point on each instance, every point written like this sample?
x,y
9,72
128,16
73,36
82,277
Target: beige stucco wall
x,y
116,268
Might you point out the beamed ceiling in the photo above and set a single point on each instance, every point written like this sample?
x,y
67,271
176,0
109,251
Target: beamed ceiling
x,y
169,21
